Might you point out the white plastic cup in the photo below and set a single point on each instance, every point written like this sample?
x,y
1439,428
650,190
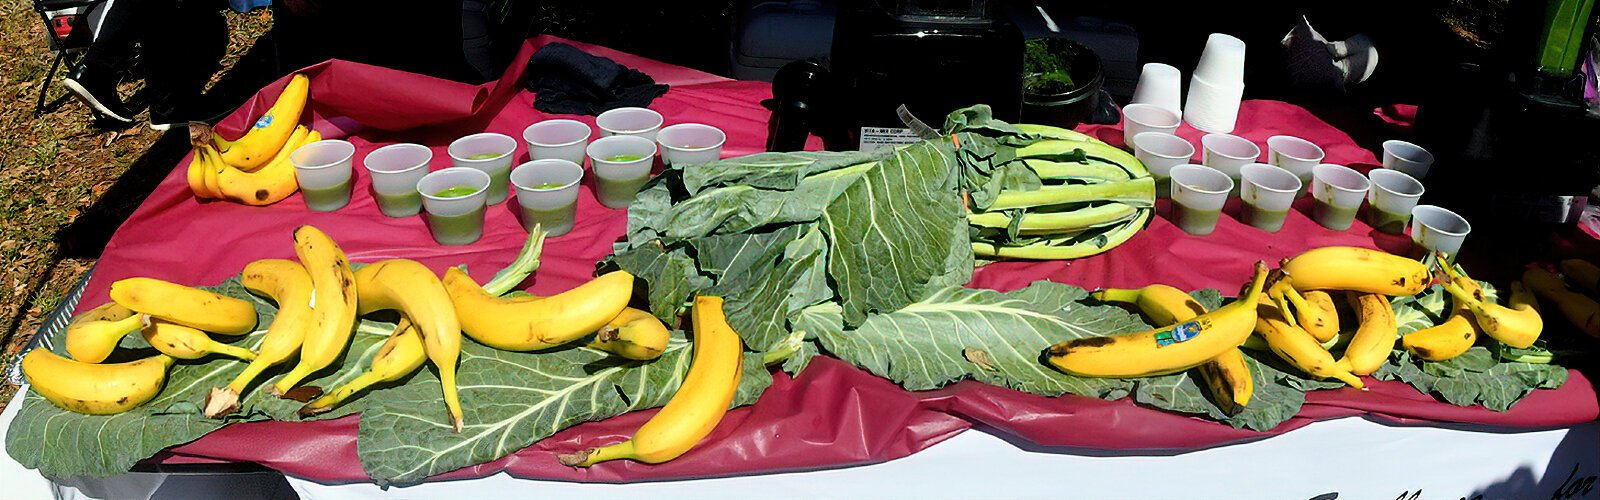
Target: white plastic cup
x,y
557,139
547,190
395,170
621,166
1160,84
1222,61
642,122
1391,199
1294,154
1436,229
1407,157
690,144
1228,153
455,220
1198,193
1141,118
489,152
1159,152
1339,191
1268,192
324,170
1212,107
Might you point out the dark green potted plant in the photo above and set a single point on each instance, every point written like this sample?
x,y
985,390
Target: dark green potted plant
x,y
1060,83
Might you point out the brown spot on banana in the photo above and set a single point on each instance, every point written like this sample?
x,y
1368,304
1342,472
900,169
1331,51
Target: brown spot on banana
x,y
262,194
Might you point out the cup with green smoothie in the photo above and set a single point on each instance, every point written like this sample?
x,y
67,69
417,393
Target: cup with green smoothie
x,y
453,200
323,169
1228,153
1389,202
690,144
395,170
557,139
1198,193
1267,193
1159,152
489,152
547,191
621,166
1339,191
1437,229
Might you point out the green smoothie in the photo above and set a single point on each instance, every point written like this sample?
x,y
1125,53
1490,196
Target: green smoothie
x,y
1266,220
1388,222
1194,221
400,205
555,222
456,191
624,158
618,193
499,181
484,156
457,230
1331,217
327,199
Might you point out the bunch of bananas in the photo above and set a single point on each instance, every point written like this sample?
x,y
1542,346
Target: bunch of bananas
x,y
1293,314
1579,308
1094,197
319,298
255,168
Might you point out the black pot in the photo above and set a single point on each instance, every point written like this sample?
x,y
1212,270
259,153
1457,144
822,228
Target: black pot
x,y
1068,109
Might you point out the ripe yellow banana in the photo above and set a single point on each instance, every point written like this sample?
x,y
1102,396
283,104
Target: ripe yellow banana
x,y
1357,269
95,389
1516,326
1448,339
197,174
333,306
1163,350
698,405
1582,311
210,167
1227,378
1375,337
272,129
1298,347
272,183
188,306
533,323
400,355
182,342
634,334
287,283
1320,320
93,335
1583,273
1161,304
408,286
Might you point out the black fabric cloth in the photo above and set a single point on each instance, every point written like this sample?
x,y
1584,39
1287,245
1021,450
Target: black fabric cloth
x,y
570,81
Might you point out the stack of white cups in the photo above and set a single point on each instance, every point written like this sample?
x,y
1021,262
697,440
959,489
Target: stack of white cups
x,y
1159,85
1217,85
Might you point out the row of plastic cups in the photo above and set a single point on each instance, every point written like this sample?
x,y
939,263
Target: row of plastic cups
x,y
1160,151
1199,192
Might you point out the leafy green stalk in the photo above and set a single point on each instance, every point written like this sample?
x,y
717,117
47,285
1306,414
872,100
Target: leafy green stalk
x,y
1080,219
526,263
1066,248
1093,169
1141,191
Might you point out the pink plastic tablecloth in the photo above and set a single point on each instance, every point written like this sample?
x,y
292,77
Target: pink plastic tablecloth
x,y
834,414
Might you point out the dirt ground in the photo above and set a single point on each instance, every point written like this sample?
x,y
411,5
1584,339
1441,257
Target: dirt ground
x,y
66,184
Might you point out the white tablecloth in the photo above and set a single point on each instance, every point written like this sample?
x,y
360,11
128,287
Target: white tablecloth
x,y
1352,457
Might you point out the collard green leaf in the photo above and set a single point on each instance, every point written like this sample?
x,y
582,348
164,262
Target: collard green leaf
x,y
59,443
773,170
1274,399
514,399
922,345
669,275
888,233
1466,382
